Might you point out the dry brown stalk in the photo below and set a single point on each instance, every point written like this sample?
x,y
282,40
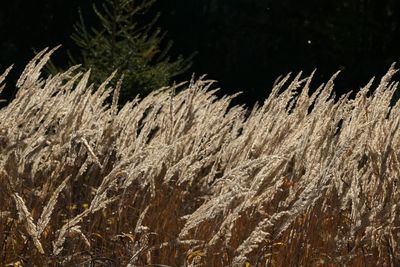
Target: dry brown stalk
x,y
180,177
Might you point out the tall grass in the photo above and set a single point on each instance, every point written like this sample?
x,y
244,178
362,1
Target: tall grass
x,y
183,179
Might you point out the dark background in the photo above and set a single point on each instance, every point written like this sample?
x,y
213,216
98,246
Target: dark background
x,y
244,44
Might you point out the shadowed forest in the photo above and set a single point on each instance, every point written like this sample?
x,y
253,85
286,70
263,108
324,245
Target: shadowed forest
x,y
243,44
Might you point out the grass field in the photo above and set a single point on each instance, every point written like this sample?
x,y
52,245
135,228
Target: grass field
x,y
181,178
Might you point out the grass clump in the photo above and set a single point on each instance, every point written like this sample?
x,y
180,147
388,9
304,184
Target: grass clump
x,y
182,179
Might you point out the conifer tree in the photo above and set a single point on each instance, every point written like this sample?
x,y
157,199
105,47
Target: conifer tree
x,y
124,41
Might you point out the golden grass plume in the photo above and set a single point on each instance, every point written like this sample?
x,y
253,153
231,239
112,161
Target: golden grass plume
x,y
185,179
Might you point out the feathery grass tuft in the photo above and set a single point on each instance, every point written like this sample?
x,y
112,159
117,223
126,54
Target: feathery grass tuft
x,y
183,179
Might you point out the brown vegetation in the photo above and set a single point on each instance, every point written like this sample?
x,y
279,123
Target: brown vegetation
x,y
182,179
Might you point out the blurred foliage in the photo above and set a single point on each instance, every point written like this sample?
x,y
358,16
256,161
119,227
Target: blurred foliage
x,y
255,41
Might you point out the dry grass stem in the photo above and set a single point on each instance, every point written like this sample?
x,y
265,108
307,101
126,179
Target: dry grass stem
x,y
181,177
